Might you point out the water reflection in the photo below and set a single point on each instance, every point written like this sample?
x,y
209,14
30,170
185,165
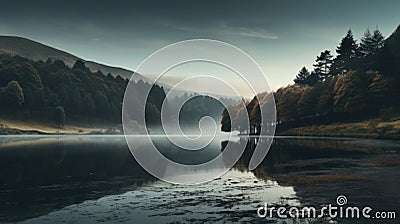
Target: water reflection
x,y
40,176
321,169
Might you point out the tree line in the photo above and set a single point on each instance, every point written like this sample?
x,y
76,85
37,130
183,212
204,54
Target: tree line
x,y
360,82
52,91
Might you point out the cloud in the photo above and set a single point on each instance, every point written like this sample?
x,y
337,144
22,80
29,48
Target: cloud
x,y
224,29
256,33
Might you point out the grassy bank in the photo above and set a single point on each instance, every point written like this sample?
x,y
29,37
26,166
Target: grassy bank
x,y
8,127
365,129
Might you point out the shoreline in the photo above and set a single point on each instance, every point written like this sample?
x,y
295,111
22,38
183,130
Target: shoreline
x,y
370,129
17,127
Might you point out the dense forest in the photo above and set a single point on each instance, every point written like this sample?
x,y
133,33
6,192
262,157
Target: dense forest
x,y
361,82
50,91
197,106
55,93
192,108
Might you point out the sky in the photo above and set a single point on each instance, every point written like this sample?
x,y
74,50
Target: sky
x,y
281,36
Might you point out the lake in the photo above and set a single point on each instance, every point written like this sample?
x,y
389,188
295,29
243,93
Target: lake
x,y
92,179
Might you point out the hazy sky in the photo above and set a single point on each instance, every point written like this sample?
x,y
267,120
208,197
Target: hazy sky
x,y
281,36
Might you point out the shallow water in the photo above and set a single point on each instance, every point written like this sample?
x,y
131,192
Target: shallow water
x,y
91,179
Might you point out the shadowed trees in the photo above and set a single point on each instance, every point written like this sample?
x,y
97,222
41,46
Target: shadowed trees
x,y
13,95
371,43
370,48
346,54
252,110
302,78
226,124
59,116
359,83
321,71
323,64
305,78
87,97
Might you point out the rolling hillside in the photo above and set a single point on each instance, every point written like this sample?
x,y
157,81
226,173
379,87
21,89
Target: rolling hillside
x,y
37,51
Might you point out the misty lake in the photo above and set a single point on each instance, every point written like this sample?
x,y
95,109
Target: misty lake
x,y
92,179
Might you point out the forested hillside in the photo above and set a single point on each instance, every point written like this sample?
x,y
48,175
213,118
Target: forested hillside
x,y
361,82
51,91
55,93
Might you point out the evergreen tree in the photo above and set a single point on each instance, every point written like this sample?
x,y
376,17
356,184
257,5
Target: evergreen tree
x,y
378,40
347,51
313,79
371,43
302,77
366,48
80,65
323,65
305,78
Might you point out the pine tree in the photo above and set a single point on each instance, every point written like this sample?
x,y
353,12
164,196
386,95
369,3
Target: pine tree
x,y
371,43
378,40
305,78
302,77
347,51
313,79
323,65
366,48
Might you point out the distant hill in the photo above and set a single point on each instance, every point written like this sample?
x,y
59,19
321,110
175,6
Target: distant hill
x,y
37,51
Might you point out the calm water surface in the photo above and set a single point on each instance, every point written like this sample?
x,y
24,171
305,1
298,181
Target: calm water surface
x,y
92,179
